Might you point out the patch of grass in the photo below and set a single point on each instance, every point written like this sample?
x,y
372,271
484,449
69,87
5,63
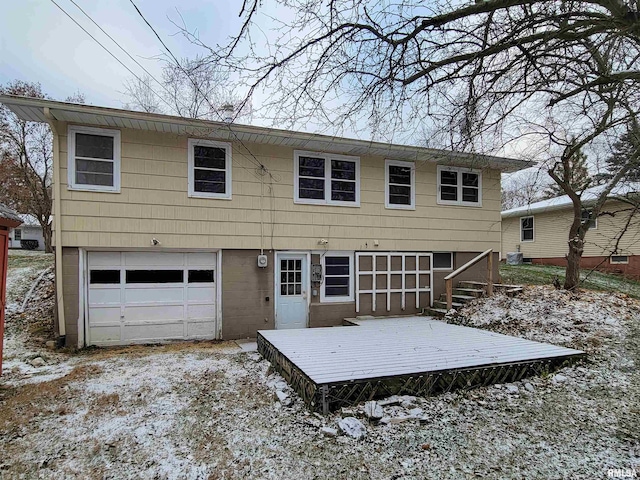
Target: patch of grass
x,y
37,259
544,275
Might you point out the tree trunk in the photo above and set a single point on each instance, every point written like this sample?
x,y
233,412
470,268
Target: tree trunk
x,y
46,233
572,274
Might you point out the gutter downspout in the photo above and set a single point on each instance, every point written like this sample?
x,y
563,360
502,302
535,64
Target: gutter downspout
x,y
57,224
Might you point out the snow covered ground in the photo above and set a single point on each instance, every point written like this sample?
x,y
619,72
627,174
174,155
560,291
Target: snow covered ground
x,y
208,410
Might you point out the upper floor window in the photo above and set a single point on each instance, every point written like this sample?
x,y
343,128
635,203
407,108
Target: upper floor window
x,y
209,169
526,229
326,179
589,220
459,186
94,159
399,184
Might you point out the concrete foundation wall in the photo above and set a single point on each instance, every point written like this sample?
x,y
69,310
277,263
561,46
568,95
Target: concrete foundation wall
x,y
247,294
70,285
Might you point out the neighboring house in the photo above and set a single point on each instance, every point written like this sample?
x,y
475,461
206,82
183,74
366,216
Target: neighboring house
x,y
29,230
541,231
169,228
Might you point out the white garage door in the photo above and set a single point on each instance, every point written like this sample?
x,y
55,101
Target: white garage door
x,y
139,297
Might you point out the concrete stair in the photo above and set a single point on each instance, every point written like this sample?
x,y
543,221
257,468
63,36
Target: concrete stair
x,y
464,293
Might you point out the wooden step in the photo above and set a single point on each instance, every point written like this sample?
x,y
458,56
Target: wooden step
x,y
474,292
463,298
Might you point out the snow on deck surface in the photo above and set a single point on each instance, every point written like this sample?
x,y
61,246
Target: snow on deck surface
x,y
399,346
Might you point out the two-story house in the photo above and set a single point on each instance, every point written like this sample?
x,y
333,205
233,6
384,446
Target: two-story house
x,y
173,228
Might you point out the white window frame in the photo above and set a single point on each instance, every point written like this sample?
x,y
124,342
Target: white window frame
x,y
460,171
328,299
619,263
327,157
17,233
443,269
191,166
594,220
399,163
533,229
71,158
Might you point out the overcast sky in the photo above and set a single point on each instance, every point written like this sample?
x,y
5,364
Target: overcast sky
x,y
39,43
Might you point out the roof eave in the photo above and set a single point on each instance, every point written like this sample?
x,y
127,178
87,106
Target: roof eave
x,y
32,109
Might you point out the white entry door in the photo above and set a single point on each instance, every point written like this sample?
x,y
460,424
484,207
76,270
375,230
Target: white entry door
x,y
292,290
146,297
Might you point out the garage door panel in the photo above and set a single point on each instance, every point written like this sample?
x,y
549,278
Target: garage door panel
x,y
196,312
104,315
105,259
201,294
153,313
104,296
146,259
200,329
145,312
159,295
201,259
105,335
146,333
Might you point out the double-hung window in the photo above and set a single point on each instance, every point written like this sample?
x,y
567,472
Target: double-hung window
x,y
337,283
526,229
209,169
94,159
459,186
326,179
400,184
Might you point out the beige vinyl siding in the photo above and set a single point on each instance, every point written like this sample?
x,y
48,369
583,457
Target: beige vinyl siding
x,y
551,231
153,203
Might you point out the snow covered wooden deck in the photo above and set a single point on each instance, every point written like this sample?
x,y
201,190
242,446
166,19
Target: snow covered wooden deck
x,y
336,366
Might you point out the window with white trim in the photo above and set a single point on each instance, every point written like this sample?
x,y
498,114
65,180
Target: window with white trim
x,y
589,220
17,234
209,169
337,281
93,159
399,184
326,179
443,260
459,186
526,229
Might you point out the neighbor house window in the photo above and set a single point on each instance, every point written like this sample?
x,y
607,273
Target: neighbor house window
x,y
209,169
400,184
459,186
443,261
17,235
94,159
589,220
526,229
326,179
337,283
619,259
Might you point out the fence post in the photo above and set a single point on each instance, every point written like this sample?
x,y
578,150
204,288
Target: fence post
x,y
449,288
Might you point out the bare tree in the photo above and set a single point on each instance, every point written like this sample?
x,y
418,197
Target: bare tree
x,y
523,188
26,161
193,88
561,74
